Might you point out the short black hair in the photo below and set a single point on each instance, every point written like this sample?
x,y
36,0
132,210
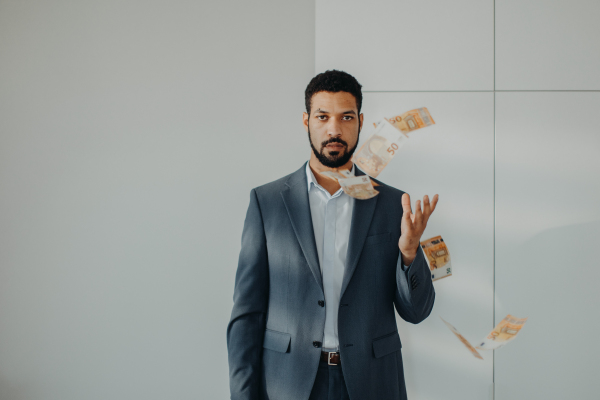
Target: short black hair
x,y
333,81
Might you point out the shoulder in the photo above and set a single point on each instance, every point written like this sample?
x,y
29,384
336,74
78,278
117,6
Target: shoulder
x,y
389,191
272,187
276,186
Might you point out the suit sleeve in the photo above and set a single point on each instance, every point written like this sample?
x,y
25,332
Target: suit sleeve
x,y
246,327
414,289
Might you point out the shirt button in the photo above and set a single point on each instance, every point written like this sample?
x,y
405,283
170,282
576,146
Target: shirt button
x,y
321,303
316,343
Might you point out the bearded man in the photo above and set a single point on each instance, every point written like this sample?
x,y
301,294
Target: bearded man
x,y
320,272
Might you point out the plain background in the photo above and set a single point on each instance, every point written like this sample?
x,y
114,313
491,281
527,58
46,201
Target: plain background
x,y
132,132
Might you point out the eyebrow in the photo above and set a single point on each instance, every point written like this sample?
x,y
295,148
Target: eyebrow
x,y
327,112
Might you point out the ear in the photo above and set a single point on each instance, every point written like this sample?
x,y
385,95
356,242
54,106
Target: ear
x,y
360,121
305,120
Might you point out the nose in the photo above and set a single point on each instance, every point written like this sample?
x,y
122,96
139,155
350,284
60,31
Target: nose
x,y
333,128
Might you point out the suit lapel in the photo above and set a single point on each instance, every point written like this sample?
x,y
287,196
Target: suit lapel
x,y
295,198
362,215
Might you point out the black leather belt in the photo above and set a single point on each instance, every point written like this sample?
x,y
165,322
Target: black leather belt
x,y
332,358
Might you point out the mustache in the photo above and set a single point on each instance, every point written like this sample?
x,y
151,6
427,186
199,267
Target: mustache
x,y
334,140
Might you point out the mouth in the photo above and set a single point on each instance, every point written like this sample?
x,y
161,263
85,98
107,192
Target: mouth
x,y
334,146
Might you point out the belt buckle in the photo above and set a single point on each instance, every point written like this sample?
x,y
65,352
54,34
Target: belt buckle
x,y
329,354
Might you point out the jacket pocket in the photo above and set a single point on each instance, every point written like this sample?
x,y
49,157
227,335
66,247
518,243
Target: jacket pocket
x,y
387,344
379,238
277,341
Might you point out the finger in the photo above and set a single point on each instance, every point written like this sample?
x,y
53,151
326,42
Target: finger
x,y
407,216
406,203
426,206
374,124
418,213
434,202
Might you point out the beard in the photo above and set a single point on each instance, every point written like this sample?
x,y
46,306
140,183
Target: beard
x,y
335,159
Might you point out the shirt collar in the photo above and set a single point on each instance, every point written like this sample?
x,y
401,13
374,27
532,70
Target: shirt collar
x,y
310,177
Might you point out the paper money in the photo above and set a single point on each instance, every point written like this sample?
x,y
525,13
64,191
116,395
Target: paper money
x,y
336,175
437,257
463,340
375,154
342,174
359,187
412,120
503,333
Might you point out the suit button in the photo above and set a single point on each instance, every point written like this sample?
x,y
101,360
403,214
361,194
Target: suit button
x,y
321,303
316,343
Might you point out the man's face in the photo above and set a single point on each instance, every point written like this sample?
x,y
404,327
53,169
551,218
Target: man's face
x,y
333,127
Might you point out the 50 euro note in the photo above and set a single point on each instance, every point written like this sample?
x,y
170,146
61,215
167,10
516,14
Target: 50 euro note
x,y
359,187
412,120
375,154
437,257
464,341
503,333
337,174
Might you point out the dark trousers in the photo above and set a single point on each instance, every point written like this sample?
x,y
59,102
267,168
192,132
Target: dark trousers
x,y
329,383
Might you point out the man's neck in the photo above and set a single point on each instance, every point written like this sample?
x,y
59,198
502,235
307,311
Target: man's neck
x,y
330,185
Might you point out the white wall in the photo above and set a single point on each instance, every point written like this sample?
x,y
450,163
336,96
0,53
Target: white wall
x,y
514,88
131,133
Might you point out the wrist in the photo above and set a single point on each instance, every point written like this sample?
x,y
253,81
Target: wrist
x,y
408,257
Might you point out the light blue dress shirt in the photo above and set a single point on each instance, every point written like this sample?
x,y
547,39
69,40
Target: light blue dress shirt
x,y
331,218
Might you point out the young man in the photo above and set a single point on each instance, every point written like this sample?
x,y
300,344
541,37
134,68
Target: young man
x,y
320,272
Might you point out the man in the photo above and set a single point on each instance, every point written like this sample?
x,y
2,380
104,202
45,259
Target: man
x,y
320,272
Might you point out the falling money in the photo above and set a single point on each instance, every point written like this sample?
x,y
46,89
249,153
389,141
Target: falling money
x,y
412,120
359,187
503,333
375,154
463,340
437,257
337,174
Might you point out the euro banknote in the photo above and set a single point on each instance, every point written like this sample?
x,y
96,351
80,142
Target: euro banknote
x,y
337,174
375,154
437,257
359,187
463,340
412,120
503,333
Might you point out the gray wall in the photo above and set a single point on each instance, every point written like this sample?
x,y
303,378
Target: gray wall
x,y
514,88
131,133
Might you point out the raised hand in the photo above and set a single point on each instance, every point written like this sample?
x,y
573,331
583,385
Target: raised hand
x,y
413,225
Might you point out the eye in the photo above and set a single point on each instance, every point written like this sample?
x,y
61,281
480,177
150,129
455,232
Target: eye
x,y
321,117
348,118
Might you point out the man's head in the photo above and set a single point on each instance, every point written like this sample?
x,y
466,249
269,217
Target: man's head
x,y
332,118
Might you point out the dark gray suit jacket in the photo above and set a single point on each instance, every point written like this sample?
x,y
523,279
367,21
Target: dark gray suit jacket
x,y
277,323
